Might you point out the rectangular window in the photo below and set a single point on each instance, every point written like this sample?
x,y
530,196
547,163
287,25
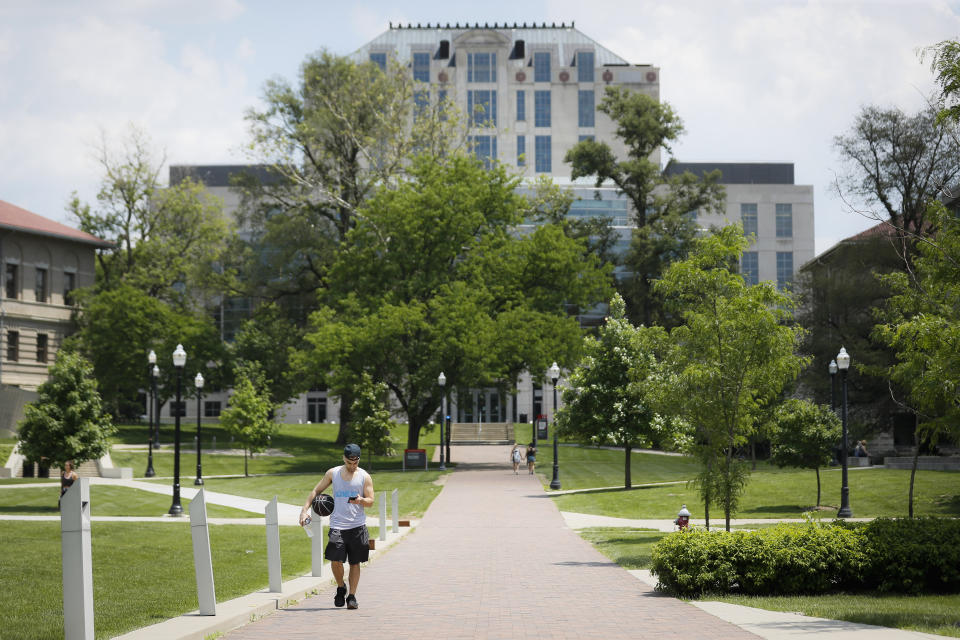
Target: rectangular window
x,y
485,148
178,409
42,340
586,103
521,151
212,408
316,409
541,66
379,59
586,137
784,220
13,346
40,285
421,67
541,108
69,284
10,281
784,269
421,103
542,151
748,216
481,67
521,105
750,267
585,66
482,107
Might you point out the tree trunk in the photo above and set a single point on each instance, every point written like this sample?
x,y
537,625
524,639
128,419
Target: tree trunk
x,y
706,509
413,436
817,469
913,468
346,417
626,466
246,473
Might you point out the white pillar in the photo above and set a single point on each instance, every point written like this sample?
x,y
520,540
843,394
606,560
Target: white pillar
x,y
316,546
202,560
396,510
77,562
383,515
273,546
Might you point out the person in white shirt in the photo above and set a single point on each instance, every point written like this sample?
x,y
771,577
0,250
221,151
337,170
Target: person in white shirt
x,y
348,539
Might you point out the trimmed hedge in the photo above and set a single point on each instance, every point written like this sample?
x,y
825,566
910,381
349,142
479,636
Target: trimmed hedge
x,y
890,555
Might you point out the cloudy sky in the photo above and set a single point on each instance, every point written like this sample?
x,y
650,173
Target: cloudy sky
x,y
754,80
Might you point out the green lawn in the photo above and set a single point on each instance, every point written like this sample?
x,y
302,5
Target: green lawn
x,y
630,548
142,572
5,451
104,501
589,467
873,493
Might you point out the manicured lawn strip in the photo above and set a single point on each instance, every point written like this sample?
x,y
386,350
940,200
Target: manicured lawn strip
x,y
417,489
873,493
142,572
311,449
6,481
5,451
630,548
589,467
104,501
938,614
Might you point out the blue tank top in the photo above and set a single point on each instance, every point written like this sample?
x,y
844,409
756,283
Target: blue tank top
x,y
347,515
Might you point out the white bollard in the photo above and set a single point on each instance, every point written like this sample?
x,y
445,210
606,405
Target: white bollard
x,y
316,546
383,515
202,560
396,510
273,546
77,561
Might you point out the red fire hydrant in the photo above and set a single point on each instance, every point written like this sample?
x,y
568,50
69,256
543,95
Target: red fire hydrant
x,y
683,518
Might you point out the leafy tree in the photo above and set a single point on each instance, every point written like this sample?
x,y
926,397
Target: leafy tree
x,y
945,65
268,339
167,242
371,426
605,397
419,286
803,435
922,326
247,418
733,354
660,201
67,421
118,327
898,162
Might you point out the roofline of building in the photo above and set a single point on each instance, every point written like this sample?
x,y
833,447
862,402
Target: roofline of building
x,y
97,242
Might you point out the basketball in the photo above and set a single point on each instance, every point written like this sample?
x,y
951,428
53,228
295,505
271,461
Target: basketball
x,y
323,504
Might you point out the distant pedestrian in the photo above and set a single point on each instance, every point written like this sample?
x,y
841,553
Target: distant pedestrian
x,y
515,458
67,477
531,457
861,450
348,538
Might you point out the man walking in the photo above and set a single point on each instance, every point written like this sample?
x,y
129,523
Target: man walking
x,y
348,539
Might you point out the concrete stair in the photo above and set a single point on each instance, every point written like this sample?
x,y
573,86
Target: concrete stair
x,y
464,433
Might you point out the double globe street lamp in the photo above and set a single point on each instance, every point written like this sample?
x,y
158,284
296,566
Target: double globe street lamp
x,y
152,360
843,363
179,360
198,382
554,373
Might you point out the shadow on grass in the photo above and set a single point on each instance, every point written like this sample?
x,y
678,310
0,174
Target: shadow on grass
x,y
32,509
775,509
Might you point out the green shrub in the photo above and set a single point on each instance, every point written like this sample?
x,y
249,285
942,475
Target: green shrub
x,y
782,560
913,556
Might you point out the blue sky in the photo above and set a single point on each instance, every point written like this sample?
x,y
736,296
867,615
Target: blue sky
x,y
754,81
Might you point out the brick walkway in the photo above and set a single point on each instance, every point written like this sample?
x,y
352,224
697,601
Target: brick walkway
x,y
492,558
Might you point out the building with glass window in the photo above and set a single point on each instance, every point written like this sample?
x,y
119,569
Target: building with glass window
x,y
42,262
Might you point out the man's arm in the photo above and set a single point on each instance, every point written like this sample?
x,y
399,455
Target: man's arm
x,y
367,499
325,482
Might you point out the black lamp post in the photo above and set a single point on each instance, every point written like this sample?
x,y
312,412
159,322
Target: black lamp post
x,y
833,384
554,373
442,381
198,382
179,360
152,359
843,363
156,406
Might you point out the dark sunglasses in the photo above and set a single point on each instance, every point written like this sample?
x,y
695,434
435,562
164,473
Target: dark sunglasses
x,y
352,459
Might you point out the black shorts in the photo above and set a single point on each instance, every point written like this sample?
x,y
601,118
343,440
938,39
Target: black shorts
x,y
348,544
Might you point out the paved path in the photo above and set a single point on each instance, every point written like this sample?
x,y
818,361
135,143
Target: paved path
x,y
492,558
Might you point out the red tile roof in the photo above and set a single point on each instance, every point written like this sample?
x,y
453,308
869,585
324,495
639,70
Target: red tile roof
x,y
13,217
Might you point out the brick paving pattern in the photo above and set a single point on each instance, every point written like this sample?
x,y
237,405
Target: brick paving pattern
x,y
492,558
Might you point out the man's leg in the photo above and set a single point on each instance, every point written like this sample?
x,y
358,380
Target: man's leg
x,y
353,577
337,569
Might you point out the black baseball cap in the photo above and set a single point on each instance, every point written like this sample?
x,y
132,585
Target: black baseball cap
x,y
351,451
